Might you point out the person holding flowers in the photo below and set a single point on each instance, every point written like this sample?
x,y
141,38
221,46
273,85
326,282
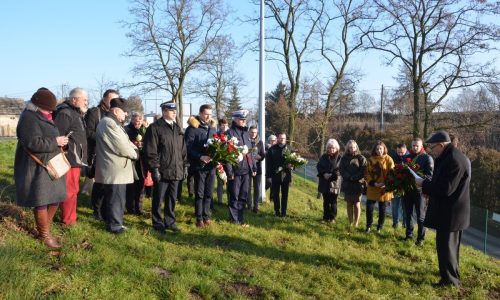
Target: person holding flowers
x,y
280,174
238,175
329,179
379,165
352,170
413,198
135,191
200,129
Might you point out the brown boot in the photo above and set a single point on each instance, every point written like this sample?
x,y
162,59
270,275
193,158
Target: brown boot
x,y
43,227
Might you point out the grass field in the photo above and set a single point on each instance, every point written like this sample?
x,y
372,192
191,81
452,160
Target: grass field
x,y
276,258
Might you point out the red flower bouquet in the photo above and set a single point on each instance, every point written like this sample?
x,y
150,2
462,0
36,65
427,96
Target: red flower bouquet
x,y
399,180
224,151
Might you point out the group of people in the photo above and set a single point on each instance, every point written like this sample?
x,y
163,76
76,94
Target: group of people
x,y
121,158
440,200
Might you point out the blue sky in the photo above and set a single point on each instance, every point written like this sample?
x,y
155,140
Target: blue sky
x,y
77,43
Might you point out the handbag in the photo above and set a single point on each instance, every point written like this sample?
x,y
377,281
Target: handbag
x,y
56,167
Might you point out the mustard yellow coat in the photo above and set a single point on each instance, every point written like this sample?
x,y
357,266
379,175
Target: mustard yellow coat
x,y
376,170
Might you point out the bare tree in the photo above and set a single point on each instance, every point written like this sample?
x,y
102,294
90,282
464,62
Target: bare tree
x,y
294,22
219,74
365,103
341,30
436,42
171,38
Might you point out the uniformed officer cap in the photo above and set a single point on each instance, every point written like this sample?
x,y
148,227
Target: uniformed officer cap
x,y
240,114
168,105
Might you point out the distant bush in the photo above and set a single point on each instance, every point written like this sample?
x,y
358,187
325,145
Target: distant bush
x,y
485,181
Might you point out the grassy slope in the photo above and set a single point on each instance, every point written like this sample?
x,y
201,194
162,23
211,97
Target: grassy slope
x,y
292,258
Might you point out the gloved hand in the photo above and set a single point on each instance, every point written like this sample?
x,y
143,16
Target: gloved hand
x,y
327,176
156,175
185,175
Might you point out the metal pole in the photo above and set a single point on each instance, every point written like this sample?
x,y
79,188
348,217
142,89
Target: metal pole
x,y
382,109
485,231
262,107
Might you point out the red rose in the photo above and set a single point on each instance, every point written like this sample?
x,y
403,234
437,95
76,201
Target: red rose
x,y
408,160
222,137
417,166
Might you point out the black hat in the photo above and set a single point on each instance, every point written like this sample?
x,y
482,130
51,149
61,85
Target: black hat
x,y
44,99
118,102
440,136
168,106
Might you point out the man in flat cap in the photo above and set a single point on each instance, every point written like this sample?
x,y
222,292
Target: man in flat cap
x,y
115,155
238,175
166,157
449,203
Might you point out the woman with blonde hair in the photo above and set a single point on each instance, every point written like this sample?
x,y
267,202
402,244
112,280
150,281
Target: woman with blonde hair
x,y
352,170
329,179
379,164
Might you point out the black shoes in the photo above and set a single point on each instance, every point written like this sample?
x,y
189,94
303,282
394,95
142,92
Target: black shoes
x,y
419,243
119,231
368,230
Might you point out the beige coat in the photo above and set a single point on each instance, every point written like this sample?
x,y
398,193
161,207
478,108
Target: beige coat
x,y
114,153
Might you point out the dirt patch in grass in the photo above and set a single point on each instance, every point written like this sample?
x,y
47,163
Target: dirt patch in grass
x,y
163,273
244,289
84,245
494,293
282,241
15,218
194,293
243,271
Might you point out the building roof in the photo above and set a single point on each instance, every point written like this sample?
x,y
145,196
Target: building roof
x,y
11,106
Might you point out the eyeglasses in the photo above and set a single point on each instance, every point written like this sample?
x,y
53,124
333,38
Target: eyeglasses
x,y
432,146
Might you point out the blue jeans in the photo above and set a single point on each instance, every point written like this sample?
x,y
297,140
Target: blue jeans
x,y
397,210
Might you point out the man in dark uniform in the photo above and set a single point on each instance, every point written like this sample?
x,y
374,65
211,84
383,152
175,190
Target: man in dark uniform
x,y
200,129
239,175
449,203
165,152
92,118
280,175
414,198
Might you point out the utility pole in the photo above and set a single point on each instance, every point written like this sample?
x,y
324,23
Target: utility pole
x,y
262,107
382,109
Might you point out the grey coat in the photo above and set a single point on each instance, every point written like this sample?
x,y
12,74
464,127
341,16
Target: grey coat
x,y
33,184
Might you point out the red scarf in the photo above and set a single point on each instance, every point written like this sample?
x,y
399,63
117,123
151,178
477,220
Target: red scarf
x,y
47,116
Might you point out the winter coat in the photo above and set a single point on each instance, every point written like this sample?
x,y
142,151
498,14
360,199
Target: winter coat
x,y
33,184
275,160
352,170
69,118
426,164
449,199
133,134
329,164
258,153
196,137
92,118
247,165
376,171
114,153
165,149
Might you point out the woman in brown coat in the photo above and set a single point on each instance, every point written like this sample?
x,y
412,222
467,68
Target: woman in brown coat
x,y
379,164
37,133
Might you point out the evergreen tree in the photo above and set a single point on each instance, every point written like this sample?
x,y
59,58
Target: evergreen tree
x,y
234,103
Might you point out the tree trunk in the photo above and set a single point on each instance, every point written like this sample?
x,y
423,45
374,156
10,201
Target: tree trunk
x,y
416,109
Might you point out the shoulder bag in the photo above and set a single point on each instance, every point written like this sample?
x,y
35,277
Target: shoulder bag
x,y
56,167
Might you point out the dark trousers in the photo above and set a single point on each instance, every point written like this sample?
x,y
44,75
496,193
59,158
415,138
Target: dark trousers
x,y
135,194
370,204
97,199
448,248
276,188
238,195
411,200
190,186
329,206
165,190
114,202
255,183
203,188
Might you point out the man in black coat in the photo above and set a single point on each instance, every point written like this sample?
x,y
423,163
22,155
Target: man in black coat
x,y
449,203
135,191
165,152
280,175
238,175
258,155
92,118
69,120
414,198
200,129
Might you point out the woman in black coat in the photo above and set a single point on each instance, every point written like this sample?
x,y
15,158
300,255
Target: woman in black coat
x,y
329,179
38,134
